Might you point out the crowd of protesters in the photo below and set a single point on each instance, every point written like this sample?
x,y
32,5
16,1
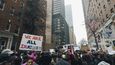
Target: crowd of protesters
x,y
8,57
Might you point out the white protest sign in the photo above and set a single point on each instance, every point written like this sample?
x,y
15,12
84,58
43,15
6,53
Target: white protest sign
x,y
31,42
51,50
103,63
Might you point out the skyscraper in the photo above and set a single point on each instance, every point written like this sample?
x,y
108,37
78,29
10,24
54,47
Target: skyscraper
x,y
58,7
69,20
68,15
48,43
60,29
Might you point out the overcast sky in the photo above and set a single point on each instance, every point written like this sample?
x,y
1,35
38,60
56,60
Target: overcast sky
x,y
78,19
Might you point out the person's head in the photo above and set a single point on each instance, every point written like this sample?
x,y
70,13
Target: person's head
x,y
30,62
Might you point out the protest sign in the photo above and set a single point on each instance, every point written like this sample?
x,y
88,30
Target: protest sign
x,y
103,63
31,42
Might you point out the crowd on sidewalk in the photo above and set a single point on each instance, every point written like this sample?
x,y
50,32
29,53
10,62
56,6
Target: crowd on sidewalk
x,y
8,57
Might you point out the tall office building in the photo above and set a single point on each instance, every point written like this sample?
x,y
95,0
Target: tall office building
x,y
85,7
69,20
99,19
68,15
60,29
58,7
48,43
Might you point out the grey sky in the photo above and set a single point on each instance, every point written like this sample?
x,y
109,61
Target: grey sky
x,y
78,19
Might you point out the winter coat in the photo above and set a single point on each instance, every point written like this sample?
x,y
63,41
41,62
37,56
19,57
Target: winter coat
x,y
62,62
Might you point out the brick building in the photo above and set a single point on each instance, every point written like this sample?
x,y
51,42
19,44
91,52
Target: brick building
x,y
99,16
9,23
18,17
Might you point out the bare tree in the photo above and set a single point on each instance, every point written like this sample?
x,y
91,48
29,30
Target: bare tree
x,y
93,28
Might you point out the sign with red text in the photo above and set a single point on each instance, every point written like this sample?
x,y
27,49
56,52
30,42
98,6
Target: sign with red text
x,y
31,42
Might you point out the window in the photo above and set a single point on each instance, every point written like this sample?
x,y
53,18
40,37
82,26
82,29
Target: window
x,y
101,11
106,15
99,4
59,40
22,4
58,28
114,6
111,10
62,27
58,25
2,4
12,11
8,25
58,20
104,6
114,42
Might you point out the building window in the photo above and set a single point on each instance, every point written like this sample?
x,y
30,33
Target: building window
x,y
58,25
8,25
101,11
114,6
58,28
111,10
2,4
99,4
114,42
58,20
62,27
12,11
106,15
104,6
59,40
22,4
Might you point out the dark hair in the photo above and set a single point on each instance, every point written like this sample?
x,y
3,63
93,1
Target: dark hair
x,y
4,58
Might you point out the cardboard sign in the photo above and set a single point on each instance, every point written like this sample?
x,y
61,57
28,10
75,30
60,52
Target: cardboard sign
x,y
31,42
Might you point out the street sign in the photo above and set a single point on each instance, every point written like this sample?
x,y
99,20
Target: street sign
x,y
31,42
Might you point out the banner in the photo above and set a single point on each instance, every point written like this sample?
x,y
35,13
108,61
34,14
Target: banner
x,y
31,42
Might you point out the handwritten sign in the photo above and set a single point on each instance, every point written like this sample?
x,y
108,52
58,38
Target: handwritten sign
x,y
31,42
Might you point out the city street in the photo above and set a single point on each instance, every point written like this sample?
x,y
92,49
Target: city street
x,y
59,57
57,32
